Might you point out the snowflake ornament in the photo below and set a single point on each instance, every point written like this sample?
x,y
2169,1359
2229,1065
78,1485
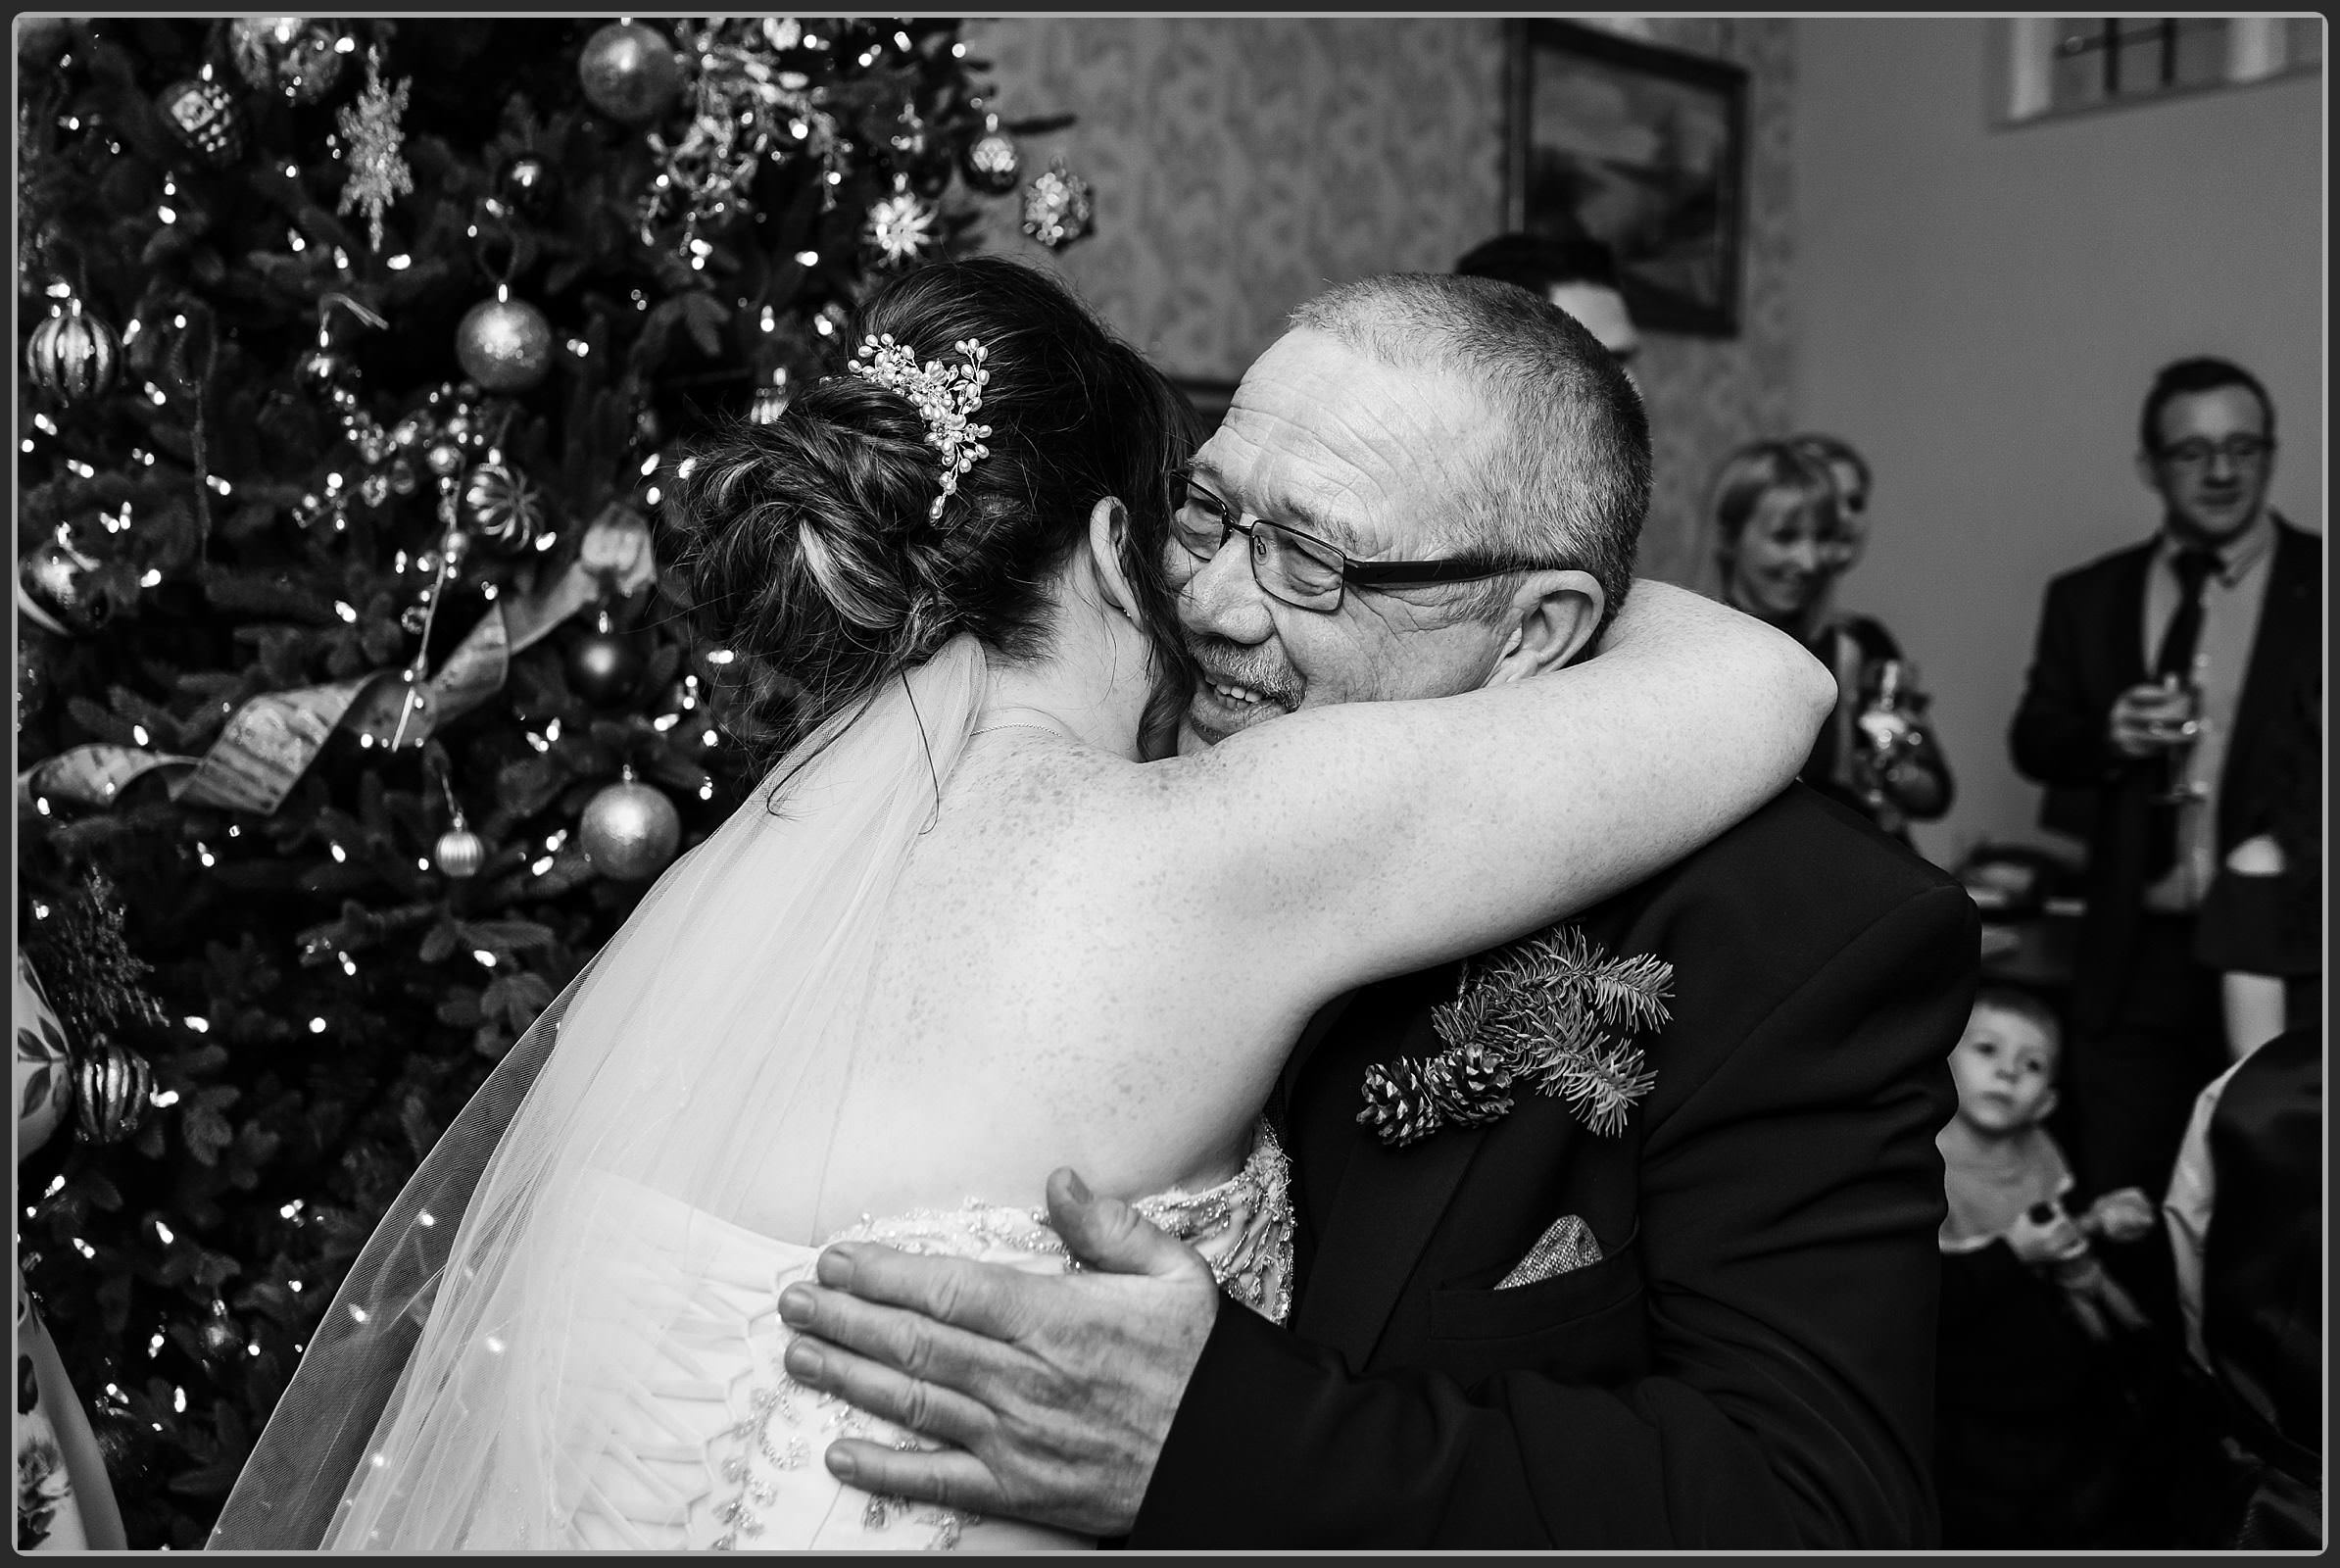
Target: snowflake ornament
x,y
378,173
901,226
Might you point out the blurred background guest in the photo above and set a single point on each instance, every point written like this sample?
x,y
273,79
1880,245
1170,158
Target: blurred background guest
x,y
1781,541
1576,272
2246,1223
2261,924
2168,679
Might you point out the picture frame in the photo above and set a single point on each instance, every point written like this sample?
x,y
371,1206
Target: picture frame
x,y
1641,147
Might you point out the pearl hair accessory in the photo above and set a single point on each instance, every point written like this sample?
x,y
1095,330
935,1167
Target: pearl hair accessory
x,y
944,398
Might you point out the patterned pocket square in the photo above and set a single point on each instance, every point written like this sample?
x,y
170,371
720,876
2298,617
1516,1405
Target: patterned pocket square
x,y
1567,1244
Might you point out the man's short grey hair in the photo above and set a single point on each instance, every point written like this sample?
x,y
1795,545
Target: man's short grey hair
x,y
1565,480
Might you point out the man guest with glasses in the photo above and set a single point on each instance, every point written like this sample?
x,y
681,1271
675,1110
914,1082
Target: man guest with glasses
x,y
2160,678
1706,1319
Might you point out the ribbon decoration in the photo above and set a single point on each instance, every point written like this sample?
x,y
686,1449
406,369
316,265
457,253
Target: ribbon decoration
x,y
268,743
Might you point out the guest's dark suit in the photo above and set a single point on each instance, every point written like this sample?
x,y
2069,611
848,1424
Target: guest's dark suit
x,y
2091,648
1752,1361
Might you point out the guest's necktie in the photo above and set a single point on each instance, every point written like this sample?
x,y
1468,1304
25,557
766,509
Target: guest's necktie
x,y
2176,659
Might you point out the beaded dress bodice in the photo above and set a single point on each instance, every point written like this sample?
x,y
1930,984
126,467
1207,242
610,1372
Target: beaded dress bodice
x,y
681,1428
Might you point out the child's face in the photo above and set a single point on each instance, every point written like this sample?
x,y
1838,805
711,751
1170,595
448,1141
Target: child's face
x,y
2005,1069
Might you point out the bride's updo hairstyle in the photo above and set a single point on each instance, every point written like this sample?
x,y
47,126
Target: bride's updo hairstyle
x,y
809,547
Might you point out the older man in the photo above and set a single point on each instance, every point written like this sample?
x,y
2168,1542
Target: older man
x,y
1712,1327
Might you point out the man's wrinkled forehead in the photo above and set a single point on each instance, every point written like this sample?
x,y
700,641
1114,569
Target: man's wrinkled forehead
x,y
1324,429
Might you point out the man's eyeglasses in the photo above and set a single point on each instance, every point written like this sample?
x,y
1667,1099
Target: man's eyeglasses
x,y
1298,569
2240,451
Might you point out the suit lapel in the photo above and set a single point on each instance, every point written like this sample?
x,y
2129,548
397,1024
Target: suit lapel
x,y
1390,1204
2127,619
1383,1203
2284,641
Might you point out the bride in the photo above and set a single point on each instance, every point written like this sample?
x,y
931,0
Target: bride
x,y
965,933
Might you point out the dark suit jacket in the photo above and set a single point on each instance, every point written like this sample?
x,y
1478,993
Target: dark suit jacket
x,y
2091,648
1752,1361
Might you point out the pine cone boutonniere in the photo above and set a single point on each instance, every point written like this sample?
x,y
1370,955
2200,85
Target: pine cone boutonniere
x,y
1551,1013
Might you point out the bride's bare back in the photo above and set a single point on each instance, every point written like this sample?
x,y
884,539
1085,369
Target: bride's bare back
x,y
1095,962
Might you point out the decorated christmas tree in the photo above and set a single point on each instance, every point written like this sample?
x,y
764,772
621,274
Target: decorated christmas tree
x,y
349,718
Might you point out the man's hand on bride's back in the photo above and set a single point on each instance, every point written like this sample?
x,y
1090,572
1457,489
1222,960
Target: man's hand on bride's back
x,y
1055,1391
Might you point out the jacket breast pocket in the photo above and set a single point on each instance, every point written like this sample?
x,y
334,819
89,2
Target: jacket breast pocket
x,y
1567,1306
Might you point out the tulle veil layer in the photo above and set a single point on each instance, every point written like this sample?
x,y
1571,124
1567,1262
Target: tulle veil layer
x,y
704,1054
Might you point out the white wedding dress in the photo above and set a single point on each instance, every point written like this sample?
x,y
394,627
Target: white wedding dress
x,y
590,1359
695,1437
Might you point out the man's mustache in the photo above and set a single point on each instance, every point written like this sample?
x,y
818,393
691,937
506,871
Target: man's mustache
x,y
1232,663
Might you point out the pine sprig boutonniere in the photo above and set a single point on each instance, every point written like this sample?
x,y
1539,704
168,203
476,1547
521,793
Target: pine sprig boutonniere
x,y
1551,1013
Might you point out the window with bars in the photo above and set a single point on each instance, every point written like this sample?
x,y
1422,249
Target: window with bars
x,y
2069,64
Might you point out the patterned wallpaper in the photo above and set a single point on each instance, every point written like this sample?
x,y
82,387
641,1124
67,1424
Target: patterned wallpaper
x,y
1242,165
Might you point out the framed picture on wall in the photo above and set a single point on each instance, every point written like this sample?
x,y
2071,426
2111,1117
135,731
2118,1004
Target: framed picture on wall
x,y
1641,147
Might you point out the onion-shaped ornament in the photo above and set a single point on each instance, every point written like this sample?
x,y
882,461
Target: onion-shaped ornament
x,y
460,851
502,508
207,119
73,355
630,831
291,55
993,164
631,73
505,344
111,1086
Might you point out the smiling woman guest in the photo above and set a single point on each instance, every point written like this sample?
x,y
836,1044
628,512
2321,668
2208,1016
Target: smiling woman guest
x,y
1786,527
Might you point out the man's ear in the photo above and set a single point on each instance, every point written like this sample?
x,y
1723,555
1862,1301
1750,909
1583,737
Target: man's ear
x,y
1108,535
2149,471
1552,619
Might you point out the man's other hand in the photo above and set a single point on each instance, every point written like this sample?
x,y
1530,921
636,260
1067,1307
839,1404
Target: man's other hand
x,y
2150,719
1055,1391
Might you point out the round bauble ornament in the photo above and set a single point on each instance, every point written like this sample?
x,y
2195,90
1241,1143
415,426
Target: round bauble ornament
x,y
631,73
73,355
207,119
1056,207
992,164
54,583
630,832
112,1085
605,668
401,477
531,184
445,460
460,851
291,55
505,345
502,508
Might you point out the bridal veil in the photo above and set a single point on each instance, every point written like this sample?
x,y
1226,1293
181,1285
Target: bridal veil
x,y
704,1054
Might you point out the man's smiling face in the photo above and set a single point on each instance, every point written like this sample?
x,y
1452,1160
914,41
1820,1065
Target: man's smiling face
x,y
1332,442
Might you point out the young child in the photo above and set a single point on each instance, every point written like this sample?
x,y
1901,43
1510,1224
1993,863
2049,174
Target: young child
x,y
2027,1406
